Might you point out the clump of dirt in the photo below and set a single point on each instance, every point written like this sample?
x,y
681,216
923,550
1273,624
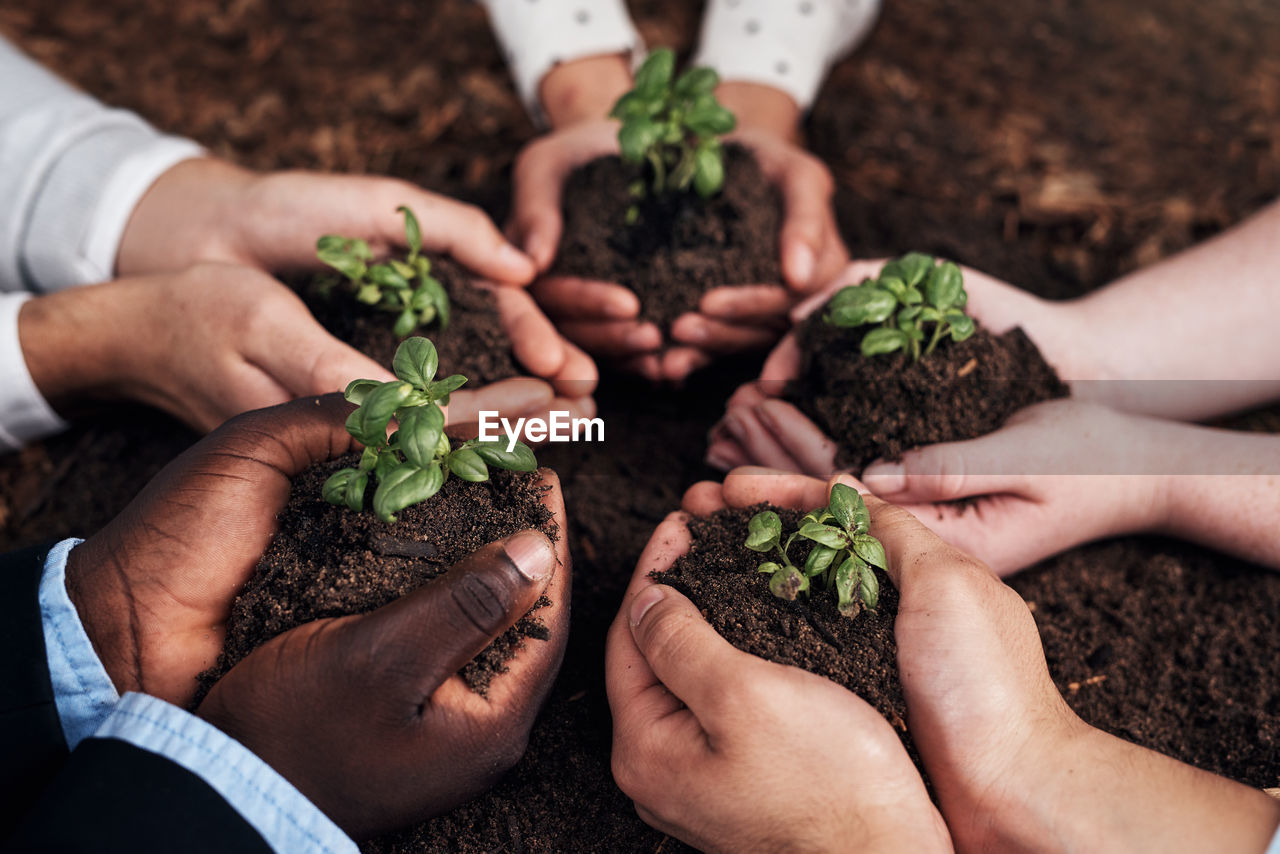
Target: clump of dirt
x,y
681,245
474,343
720,576
326,561
880,406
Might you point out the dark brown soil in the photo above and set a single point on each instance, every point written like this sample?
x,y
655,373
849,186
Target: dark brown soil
x,y
719,575
681,246
877,407
474,343
326,561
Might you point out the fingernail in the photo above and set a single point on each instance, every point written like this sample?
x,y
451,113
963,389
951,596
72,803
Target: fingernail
x,y
535,246
885,478
645,600
801,261
639,338
531,553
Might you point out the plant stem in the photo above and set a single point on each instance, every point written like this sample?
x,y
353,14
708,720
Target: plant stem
x,y
659,173
937,336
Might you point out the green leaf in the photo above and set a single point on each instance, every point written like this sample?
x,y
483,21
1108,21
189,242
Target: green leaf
x,y
882,340
402,268
405,323
342,255
416,362
655,74
893,285
355,491
369,422
894,270
385,464
335,488
708,175
914,266
636,137
929,314
860,306
907,317
386,276
870,550
404,486
869,587
696,81
441,389
769,566
370,456
629,106
764,531
468,465
912,296
707,118
961,327
439,299
357,390
369,294
849,509
819,559
847,579
412,233
519,458
787,583
420,430
944,287
827,535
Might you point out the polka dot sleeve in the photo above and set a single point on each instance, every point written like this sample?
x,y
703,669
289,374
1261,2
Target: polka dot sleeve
x,y
536,35
787,44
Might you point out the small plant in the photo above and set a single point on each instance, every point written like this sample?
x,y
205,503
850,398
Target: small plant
x,y
673,127
911,294
842,556
390,286
412,463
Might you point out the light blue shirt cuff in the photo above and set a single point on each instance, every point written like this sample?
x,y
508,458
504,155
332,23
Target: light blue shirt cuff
x,y
1274,847
269,802
82,690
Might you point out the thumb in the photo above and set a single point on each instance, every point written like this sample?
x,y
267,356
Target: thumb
x,y
947,471
428,635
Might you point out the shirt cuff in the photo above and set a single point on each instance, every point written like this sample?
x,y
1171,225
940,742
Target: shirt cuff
x,y
269,802
535,37
1274,847
788,46
86,198
82,690
24,413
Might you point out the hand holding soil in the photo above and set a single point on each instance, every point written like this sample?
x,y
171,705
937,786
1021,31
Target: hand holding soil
x,y
154,587
729,752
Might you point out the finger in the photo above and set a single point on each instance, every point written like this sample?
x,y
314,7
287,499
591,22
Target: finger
x,y
466,233
571,298
812,450
716,336
683,651
679,362
726,454
746,303
647,365
509,398
538,177
703,498
431,633
613,339
753,484
781,367
950,471
286,439
578,376
747,397
534,341
807,188
759,443
851,274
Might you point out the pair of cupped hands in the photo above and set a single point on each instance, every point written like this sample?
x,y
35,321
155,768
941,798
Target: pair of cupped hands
x,y
367,716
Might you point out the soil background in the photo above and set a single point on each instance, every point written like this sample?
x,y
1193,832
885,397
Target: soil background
x,y
1055,144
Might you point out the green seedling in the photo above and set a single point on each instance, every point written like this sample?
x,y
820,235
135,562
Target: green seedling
x,y
913,299
842,557
674,126
411,464
405,287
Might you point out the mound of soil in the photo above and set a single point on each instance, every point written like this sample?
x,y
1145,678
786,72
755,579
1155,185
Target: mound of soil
x,y
720,576
474,344
326,561
681,245
878,407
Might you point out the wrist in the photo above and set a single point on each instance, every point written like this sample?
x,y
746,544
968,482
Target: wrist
x,y
584,89
915,827
761,108
63,340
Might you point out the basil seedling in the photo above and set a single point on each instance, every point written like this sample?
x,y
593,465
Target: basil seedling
x,y
911,295
674,127
405,287
842,557
413,462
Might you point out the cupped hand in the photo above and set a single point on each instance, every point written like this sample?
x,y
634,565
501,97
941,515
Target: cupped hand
x,y
207,210
367,716
730,752
154,587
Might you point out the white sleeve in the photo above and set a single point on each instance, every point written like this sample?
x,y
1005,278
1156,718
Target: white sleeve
x,y
788,46
536,35
71,173
24,414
